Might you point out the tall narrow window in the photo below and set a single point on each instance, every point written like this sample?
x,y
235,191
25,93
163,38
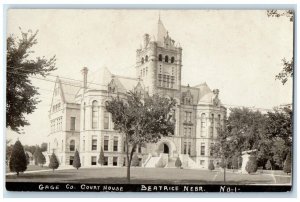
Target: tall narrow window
x,y
115,143
105,161
212,123
172,59
95,114
72,145
160,57
94,143
115,161
184,131
93,160
105,143
166,58
184,147
72,126
189,148
83,116
146,58
106,120
142,61
202,149
203,124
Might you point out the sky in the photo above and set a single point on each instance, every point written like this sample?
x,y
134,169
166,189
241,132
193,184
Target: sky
x,y
238,52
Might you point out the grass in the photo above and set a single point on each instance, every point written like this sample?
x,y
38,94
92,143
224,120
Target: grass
x,y
144,175
31,168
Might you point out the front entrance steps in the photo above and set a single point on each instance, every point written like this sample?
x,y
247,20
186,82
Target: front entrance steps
x,y
171,162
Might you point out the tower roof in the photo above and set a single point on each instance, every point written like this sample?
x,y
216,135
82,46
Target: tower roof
x,y
161,31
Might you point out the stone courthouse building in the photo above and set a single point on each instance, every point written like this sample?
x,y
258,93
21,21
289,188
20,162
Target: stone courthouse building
x,y
79,121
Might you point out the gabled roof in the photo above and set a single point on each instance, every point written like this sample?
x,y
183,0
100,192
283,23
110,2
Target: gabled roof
x,y
206,95
126,83
69,90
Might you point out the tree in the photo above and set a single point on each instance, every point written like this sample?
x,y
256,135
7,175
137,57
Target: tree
x,y
251,166
9,148
17,162
53,162
211,166
27,158
268,165
142,119
288,164
41,159
135,160
76,162
101,157
178,163
288,65
20,93
44,147
36,155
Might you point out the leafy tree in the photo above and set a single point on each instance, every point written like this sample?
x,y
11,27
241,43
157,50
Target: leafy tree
x,y
211,166
17,162
288,164
101,157
251,166
41,159
76,162
53,162
20,93
178,163
27,158
44,147
135,160
142,119
268,165
288,65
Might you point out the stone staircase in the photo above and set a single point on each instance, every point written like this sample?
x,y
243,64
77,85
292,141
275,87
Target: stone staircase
x,y
171,162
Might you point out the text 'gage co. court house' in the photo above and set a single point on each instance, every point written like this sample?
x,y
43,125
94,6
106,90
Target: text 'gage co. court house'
x,y
79,121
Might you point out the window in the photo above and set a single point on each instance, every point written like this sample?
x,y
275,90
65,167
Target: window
x,y
160,57
94,143
105,143
115,161
172,59
189,132
189,148
146,58
166,58
188,117
142,61
115,143
105,161
95,114
124,162
203,123
185,132
202,162
184,147
124,146
71,160
139,149
93,160
202,149
72,145
212,123
72,126
106,120
219,123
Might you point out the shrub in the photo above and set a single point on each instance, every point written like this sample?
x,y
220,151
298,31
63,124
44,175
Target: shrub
x,y
76,162
287,168
53,162
251,166
18,162
268,165
27,158
101,157
135,160
178,163
211,166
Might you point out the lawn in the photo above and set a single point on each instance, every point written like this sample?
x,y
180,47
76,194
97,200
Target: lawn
x,y
31,168
143,175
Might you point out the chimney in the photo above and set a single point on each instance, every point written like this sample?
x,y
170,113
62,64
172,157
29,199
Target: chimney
x,y
84,72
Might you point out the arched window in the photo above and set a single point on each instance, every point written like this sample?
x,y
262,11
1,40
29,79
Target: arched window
x,y
166,58
160,57
146,58
95,114
142,60
72,145
172,59
203,124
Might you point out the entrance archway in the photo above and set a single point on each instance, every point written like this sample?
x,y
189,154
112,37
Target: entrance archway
x,y
166,149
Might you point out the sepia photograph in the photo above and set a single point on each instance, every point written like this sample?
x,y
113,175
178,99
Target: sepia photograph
x,y
149,100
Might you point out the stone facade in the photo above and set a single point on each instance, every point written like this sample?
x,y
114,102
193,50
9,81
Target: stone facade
x,y
79,121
